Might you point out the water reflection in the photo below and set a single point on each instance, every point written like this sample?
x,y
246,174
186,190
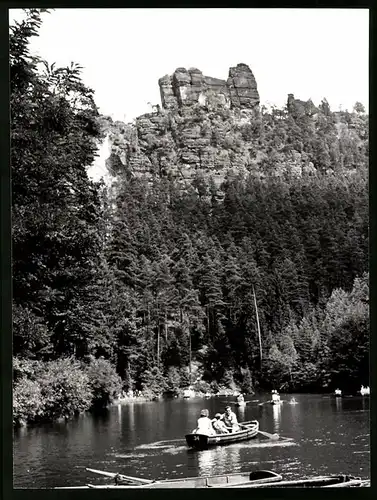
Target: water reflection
x,y
241,413
101,417
339,403
119,407
276,413
293,409
131,416
218,460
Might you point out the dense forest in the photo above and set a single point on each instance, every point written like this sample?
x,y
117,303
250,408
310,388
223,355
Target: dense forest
x,y
153,287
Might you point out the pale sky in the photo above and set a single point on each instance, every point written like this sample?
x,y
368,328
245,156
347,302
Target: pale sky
x,y
312,53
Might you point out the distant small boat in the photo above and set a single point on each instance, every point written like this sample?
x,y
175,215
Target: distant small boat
x,y
248,430
338,392
275,398
188,393
365,391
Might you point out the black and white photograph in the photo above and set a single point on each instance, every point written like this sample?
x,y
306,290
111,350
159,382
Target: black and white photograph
x,y
190,248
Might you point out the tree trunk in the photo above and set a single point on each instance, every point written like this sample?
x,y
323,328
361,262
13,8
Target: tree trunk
x,y
208,321
149,319
158,339
189,332
158,346
166,328
258,327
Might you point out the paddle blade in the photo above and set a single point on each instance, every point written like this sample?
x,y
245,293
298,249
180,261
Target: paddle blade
x,y
268,435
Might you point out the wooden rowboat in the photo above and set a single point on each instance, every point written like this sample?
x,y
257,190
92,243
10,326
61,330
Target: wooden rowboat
x,y
248,430
218,481
255,479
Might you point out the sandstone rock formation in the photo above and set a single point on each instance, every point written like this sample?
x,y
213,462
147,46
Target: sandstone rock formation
x,y
298,108
188,87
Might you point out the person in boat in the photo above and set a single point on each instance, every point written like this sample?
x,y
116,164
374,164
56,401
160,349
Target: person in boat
x,y
230,420
275,396
219,425
365,391
204,424
240,398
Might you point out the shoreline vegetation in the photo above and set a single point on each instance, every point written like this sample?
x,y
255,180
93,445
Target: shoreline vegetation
x,y
147,285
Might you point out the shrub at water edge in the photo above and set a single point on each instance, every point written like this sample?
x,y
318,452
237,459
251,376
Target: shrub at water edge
x,y
105,383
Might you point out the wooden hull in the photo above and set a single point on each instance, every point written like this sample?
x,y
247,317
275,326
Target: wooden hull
x,y
219,481
254,479
276,402
202,442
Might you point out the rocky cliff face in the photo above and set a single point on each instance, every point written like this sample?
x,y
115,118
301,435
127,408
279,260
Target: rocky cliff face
x,y
203,128
211,130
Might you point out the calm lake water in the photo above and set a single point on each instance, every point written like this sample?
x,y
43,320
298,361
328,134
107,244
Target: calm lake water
x,y
327,435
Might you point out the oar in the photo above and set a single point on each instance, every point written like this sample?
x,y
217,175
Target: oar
x,y
270,401
274,436
236,402
121,476
268,435
116,487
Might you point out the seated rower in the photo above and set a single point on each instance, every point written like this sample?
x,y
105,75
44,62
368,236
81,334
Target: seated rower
x,y
204,424
275,396
230,420
219,425
240,398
